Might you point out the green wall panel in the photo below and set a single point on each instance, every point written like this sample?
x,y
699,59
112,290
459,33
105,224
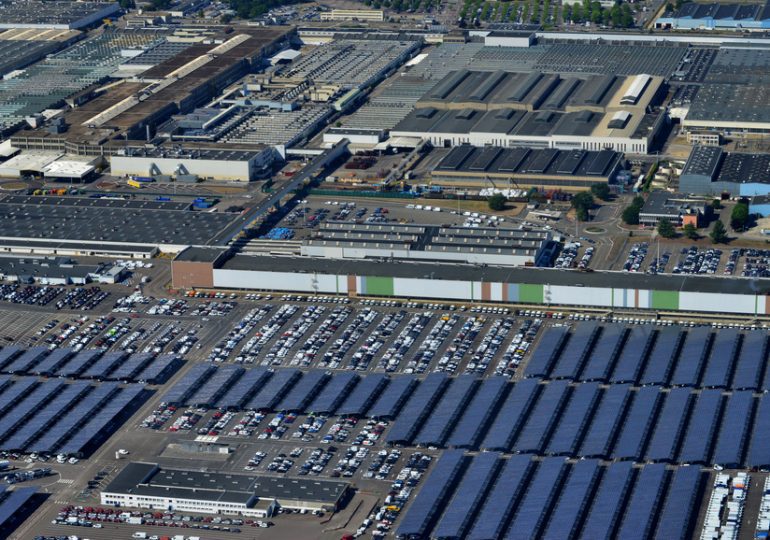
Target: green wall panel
x,y
530,294
379,286
664,300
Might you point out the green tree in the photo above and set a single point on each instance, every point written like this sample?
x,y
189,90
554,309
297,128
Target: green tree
x,y
630,215
718,234
666,229
582,203
497,202
601,191
716,204
739,216
691,232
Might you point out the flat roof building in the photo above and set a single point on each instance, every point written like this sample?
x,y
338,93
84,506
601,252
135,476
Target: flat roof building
x,y
711,171
675,207
148,485
526,167
730,110
59,14
717,16
376,15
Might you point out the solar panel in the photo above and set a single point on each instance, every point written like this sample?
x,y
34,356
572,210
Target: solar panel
x,y
419,406
759,449
5,383
13,394
7,354
47,416
574,355
241,391
702,430
543,417
334,393
503,497
573,501
393,397
461,510
748,366
79,414
662,357
78,365
608,504
574,420
692,357
638,424
639,517
670,426
547,352
605,352
734,431
105,365
184,387
679,512
606,422
720,363
300,396
364,394
53,362
209,392
24,362
97,426
447,411
159,370
511,415
277,387
429,501
537,503
13,501
478,414
134,364
27,406
632,358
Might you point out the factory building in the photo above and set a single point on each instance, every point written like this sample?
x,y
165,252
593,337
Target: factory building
x,y
499,108
679,209
715,16
730,110
376,15
193,164
147,485
526,167
711,171
458,282
474,245
59,15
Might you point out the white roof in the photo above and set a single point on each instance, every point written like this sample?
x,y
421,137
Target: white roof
x,y
288,54
64,168
28,161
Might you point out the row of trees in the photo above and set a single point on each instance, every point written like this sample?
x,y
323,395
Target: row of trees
x,y
619,15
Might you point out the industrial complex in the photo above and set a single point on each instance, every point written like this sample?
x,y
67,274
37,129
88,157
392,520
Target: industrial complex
x,y
430,271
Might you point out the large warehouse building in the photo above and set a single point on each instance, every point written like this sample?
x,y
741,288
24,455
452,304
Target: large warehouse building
x,y
218,164
525,167
502,247
147,485
716,16
730,110
479,283
589,112
711,171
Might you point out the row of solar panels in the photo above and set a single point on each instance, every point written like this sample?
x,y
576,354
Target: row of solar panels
x,y
618,422
486,497
89,364
531,416
12,503
642,355
53,417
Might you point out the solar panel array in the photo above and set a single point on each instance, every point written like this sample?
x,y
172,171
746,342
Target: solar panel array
x,y
522,498
39,415
12,502
89,364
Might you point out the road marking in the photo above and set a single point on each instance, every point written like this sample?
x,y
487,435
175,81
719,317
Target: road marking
x,y
65,481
